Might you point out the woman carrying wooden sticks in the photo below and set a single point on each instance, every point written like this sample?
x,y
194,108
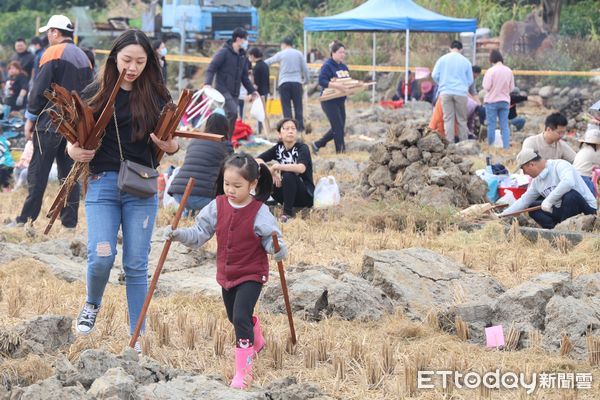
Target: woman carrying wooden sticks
x,y
335,109
128,138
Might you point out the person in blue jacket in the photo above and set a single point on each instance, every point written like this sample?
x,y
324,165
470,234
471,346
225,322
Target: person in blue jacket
x,y
335,109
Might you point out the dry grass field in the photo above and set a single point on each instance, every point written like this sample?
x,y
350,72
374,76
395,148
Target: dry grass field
x,y
346,359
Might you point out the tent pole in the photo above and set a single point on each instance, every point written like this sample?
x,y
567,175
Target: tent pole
x,y
305,46
474,46
374,73
406,66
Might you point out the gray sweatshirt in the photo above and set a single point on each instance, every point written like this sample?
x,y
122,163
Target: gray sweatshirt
x,y
292,66
206,224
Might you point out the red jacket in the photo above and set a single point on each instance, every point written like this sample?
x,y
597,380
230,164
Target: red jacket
x,y
240,254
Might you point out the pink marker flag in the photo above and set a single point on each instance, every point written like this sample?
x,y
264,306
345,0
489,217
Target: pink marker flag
x,y
494,336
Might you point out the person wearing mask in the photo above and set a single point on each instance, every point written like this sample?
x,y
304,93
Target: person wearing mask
x,y
23,56
548,144
293,73
203,160
161,52
453,74
335,109
229,68
67,65
38,45
498,82
15,88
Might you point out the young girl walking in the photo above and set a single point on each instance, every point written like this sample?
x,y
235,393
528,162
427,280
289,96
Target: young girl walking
x,y
243,225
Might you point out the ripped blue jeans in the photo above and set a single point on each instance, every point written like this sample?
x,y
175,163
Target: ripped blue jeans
x,y
107,209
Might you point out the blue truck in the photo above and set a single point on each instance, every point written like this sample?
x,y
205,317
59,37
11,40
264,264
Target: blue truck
x,y
209,19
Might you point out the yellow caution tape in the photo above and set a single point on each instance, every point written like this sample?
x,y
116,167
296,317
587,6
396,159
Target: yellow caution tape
x,y
381,68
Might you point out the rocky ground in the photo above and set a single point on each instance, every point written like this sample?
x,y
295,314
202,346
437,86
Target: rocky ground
x,y
378,288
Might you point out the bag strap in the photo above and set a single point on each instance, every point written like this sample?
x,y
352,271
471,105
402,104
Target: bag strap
x,y
118,136
119,141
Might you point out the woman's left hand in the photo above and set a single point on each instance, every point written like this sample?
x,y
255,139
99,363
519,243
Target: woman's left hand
x,y
169,146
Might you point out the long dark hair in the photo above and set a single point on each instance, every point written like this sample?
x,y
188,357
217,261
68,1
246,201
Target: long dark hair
x,y
217,124
250,170
149,93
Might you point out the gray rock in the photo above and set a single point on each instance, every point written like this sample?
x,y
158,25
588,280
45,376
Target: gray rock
x,y
438,176
578,223
398,161
380,154
560,282
420,279
477,314
289,389
587,285
524,305
546,91
439,197
413,178
114,384
349,296
94,363
65,371
50,332
431,143
575,317
413,154
476,190
52,389
409,136
195,387
381,176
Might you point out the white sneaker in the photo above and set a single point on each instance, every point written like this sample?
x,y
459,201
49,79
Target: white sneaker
x,y
87,318
138,346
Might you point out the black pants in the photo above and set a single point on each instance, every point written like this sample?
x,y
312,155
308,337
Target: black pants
x,y
572,203
53,146
5,174
336,114
239,303
291,92
292,193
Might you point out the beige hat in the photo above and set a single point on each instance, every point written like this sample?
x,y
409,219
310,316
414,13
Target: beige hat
x,y
58,22
592,134
525,156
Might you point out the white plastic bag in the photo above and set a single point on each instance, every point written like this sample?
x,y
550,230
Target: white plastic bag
x,y
257,110
498,139
327,193
168,200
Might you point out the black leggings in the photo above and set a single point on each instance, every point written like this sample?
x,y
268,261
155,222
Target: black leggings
x,y
239,303
292,193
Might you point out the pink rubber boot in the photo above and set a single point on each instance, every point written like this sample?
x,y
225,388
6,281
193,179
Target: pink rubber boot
x,y
243,367
259,339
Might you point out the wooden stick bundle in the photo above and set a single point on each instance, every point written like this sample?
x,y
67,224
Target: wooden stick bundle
x,y
351,86
79,120
169,119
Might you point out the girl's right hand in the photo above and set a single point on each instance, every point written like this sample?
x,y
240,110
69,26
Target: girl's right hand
x,y
80,154
173,235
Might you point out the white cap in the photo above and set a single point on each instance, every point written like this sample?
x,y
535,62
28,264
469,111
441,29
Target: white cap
x,y
592,134
58,22
526,155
